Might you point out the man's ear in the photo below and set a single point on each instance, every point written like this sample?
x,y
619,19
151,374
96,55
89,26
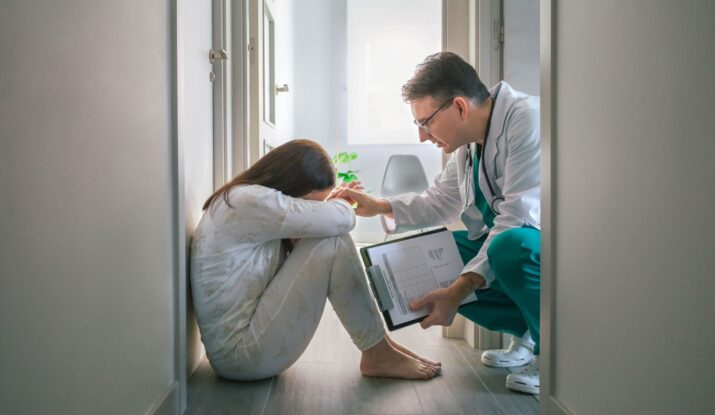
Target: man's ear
x,y
463,107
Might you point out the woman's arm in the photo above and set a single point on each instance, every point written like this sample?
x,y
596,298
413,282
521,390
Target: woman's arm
x,y
267,214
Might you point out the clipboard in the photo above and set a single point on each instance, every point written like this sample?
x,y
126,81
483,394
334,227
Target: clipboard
x,y
402,270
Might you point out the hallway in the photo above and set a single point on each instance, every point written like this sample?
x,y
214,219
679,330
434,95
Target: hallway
x,y
326,380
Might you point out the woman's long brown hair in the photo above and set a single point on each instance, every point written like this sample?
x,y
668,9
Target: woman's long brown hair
x,y
295,168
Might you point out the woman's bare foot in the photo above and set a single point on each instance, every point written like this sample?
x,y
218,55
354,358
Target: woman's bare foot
x,y
408,352
384,360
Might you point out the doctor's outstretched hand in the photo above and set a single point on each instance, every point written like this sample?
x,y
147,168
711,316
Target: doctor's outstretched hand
x,y
366,205
357,186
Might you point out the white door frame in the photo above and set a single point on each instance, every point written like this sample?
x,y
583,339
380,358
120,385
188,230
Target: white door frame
x,y
178,236
547,55
241,52
463,32
221,42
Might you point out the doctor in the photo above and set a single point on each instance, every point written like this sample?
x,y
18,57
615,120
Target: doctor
x,y
492,183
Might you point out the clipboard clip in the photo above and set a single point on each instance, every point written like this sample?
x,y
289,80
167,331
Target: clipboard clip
x,y
379,287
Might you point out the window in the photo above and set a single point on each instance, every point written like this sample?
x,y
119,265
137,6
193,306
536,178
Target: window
x,y
386,41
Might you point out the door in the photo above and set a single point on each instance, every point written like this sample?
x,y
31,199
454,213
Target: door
x,y
262,73
521,45
507,49
508,43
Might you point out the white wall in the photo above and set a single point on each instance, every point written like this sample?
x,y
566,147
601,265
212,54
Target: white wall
x,y
85,211
634,206
196,136
320,99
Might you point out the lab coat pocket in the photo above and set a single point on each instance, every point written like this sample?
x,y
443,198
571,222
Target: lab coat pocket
x,y
472,219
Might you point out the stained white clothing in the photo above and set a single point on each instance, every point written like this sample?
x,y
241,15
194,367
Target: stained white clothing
x,y
512,159
258,308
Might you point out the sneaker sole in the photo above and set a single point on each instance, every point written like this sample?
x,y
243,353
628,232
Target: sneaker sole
x,y
506,363
522,387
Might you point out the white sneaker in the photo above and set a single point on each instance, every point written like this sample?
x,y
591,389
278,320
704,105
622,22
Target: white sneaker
x,y
519,353
526,379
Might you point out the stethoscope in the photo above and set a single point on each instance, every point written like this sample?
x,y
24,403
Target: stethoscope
x,y
494,205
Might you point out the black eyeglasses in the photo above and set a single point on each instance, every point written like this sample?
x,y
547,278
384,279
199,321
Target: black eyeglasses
x,y
424,124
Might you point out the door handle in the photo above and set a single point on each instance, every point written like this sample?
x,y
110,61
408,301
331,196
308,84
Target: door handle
x,y
217,55
280,89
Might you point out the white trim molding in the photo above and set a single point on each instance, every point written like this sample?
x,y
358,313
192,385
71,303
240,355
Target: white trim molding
x,y
239,48
167,403
178,236
556,407
549,404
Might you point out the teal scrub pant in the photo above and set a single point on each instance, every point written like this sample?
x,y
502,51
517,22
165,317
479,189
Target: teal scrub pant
x,y
511,303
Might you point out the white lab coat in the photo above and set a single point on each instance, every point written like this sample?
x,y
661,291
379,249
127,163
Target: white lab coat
x,y
512,159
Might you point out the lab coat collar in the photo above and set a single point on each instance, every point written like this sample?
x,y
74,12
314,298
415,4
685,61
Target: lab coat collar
x,y
505,98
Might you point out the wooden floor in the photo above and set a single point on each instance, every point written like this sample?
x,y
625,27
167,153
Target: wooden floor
x,y
326,380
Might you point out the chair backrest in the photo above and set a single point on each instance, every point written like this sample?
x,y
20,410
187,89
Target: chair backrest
x,y
404,173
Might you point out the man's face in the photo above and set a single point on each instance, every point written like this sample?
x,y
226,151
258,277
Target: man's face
x,y
438,122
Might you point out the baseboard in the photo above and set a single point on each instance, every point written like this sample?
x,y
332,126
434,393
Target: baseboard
x,y
456,329
471,334
167,403
196,365
556,407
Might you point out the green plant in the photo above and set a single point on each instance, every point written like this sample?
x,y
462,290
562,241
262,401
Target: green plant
x,y
348,175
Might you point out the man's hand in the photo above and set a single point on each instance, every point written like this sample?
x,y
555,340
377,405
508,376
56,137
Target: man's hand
x,y
443,303
366,204
352,185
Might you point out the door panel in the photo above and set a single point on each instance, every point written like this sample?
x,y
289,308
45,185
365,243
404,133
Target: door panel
x,y
521,45
262,71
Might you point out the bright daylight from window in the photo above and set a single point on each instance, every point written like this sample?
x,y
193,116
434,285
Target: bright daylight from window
x,y
386,40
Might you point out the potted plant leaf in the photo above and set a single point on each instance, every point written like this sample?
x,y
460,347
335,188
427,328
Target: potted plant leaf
x,y
349,175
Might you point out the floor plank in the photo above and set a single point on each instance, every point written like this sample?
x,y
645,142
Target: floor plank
x,y
210,394
364,395
318,388
457,390
494,380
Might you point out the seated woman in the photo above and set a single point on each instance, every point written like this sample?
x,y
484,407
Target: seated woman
x,y
272,245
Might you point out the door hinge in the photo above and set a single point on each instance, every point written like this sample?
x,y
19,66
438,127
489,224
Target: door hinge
x,y
498,30
251,50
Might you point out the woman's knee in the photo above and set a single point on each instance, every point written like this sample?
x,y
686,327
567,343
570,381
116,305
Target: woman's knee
x,y
330,244
511,252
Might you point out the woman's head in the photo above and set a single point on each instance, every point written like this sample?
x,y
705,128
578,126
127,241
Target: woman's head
x,y
295,168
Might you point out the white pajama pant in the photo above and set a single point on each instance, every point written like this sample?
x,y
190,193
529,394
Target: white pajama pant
x,y
292,305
